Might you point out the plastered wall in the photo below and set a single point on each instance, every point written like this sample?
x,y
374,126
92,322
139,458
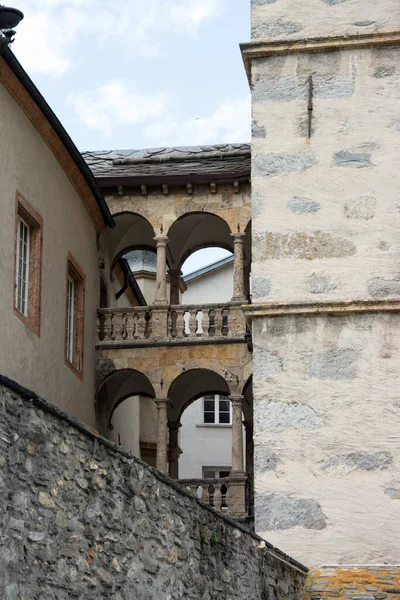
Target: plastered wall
x,y
289,19
326,209
326,434
27,165
326,226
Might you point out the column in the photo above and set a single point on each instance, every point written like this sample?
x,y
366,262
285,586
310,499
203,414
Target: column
x,y
174,279
162,434
238,268
237,434
161,276
174,451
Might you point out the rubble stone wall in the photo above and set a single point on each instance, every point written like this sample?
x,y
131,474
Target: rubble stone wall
x,y
82,519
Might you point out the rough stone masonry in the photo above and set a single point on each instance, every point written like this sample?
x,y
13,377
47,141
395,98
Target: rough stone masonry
x,y
82,519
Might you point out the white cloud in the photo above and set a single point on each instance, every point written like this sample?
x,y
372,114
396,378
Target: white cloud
x,y
230,122
115,104
51,28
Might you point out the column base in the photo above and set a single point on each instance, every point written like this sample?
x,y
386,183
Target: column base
x,y
237,494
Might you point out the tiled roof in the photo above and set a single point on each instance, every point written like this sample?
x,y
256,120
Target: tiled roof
x,y
232,160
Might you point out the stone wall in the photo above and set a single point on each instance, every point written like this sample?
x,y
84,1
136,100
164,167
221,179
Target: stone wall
x,y
82,519
327,416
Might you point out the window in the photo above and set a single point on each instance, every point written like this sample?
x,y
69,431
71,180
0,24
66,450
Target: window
x,y
216,472
74,316
217,410
28,264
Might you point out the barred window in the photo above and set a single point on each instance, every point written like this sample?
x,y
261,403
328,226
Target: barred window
x,y
28,264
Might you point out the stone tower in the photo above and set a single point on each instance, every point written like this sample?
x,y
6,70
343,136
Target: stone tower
x,y
325,81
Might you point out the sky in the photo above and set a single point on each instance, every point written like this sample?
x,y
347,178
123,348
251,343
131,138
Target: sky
x,y
140,73
123,74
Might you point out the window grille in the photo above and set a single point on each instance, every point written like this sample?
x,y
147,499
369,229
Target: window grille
x,y
217,410
22,267
70,319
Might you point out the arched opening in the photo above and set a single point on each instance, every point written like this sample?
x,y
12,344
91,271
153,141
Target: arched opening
x,y
189,234
208,276
126,412
131,231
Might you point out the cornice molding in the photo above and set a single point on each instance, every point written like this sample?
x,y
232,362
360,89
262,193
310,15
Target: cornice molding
x,y
263,48
275,310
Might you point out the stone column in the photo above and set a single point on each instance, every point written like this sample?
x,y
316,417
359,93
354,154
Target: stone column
x,y
162,434
238,268
174,451
174,278
249,445
237,434
161,276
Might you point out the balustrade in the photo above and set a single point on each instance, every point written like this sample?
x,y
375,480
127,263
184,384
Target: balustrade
x,y
206,321
214,492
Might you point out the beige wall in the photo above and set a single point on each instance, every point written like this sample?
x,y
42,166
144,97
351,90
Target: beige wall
x,y
286,19
125,423
326,228
216,286
27,165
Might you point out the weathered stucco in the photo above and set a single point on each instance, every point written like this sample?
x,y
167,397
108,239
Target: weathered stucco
x,y
326,207
286,19
327,457
29,166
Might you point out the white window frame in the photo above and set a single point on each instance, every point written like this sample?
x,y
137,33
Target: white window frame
x,y
22,267
216,472
70,320
217,398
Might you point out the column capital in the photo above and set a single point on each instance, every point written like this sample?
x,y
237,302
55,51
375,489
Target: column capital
x,y
161,240
174,425
162,403
238,237
236,400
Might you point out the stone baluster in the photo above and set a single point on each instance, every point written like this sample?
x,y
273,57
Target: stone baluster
x,y
118,326
180,323
141,325
161,275
174,451
108,326
130,325
218,322
238,268
206,322
162,434
174,279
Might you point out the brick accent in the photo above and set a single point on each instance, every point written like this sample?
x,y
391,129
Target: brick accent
x,y
35,222
75,271
354,583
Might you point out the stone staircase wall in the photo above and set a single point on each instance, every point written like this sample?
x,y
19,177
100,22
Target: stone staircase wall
x,y
82,519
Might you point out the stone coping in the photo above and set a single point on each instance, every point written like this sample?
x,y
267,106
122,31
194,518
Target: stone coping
x,y
281,309
264,48
30,396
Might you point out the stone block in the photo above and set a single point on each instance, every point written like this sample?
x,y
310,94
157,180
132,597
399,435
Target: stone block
x,y
281,511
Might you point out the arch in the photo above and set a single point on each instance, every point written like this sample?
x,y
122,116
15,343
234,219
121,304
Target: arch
x,y
131,230
196,230
114,389
191,385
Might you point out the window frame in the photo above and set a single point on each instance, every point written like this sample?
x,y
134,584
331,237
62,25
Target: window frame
x,y
216,471
217,398
27,215
74,337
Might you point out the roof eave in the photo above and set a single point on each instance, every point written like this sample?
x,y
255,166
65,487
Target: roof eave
x,y
58,128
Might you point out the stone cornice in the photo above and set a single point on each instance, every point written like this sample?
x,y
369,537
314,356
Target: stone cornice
x,y
263,48
274,310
